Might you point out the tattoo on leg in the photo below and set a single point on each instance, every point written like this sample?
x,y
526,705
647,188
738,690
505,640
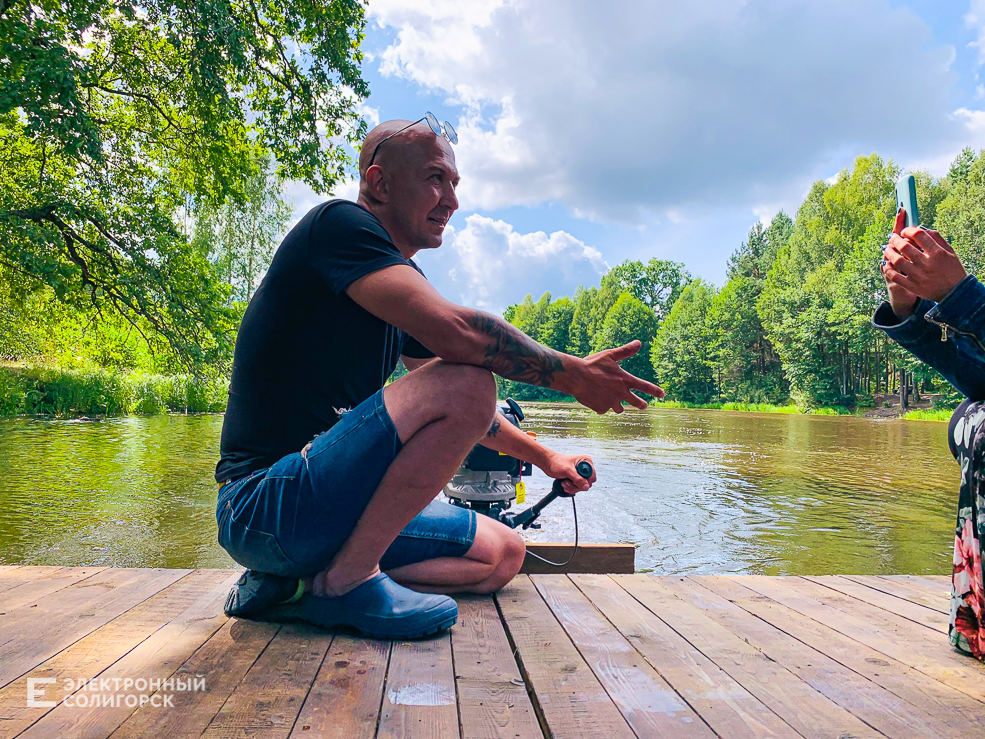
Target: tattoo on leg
x,y
514,355
494,429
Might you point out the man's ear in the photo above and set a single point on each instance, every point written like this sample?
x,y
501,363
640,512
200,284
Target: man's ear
x,y
376,182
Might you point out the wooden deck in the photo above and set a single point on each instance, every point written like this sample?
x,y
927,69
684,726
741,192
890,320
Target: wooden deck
x,y
595,656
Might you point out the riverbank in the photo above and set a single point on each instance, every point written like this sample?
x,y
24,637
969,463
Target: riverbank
x,y
65,393
886,407
51,391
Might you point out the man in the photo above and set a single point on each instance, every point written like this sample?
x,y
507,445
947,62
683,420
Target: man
x,y
315,520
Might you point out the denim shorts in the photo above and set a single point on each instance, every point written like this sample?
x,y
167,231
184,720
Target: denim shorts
x,y
292,518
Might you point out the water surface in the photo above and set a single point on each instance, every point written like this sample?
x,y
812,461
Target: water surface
x,y
696,491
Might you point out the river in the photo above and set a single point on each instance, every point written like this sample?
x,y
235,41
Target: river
x,y
696,491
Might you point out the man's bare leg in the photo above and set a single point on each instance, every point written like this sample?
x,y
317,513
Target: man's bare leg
x,y
491,562
439,411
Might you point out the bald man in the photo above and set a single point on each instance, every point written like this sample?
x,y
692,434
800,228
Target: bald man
x,y
328,477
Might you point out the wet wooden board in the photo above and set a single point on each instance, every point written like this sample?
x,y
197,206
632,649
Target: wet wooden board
x,y
559,656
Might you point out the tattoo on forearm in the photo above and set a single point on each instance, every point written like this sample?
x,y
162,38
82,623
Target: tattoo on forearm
x,y
494,429
514,355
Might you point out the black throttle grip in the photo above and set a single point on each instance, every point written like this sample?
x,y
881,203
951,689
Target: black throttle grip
x,y
584,469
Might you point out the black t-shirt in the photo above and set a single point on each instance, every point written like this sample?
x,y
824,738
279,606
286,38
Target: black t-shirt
x,y
305,349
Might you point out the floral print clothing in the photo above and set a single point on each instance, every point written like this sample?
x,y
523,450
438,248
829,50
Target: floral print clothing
x,y
967,436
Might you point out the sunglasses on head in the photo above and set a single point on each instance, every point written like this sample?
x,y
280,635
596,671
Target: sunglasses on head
x,y
439,129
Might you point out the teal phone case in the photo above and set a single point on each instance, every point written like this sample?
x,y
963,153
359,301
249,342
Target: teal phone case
x,y
906,198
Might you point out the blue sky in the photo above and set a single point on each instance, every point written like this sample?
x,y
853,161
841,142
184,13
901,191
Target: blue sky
x,y
593,133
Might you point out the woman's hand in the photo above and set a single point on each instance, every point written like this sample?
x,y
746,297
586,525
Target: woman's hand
x,y
901,300
923,264
562,467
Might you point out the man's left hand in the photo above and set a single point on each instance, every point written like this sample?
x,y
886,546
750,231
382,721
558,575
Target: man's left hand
x,y
562,467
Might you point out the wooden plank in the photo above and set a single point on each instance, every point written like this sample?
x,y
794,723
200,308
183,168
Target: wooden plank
x,y
344,701
649,704
419,696
590,558
567,695
876,706
157,657
71,613
18,575
90,655
724,704
903,589
267,701
960,713
30,592
922,615
492,698
222,662
913,645
809,712
933,585
938,580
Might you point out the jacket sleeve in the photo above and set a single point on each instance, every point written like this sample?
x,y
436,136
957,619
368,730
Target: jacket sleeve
x,y
949,335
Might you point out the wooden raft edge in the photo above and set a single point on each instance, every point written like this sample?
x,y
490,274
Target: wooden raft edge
x,y
591,559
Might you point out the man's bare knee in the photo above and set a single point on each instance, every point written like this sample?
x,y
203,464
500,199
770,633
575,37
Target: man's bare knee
x,y
466,393
476,393
510,553
462,392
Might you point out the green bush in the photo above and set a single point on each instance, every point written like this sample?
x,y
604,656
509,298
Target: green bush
x,y
50,391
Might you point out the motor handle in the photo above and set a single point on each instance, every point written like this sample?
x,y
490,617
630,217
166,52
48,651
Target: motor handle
x,y
527,517
584,469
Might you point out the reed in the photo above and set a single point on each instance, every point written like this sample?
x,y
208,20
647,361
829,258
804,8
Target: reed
x,y
53,391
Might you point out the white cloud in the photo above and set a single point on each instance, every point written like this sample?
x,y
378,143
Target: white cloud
x,y
489,265
371,114
646,108
975,19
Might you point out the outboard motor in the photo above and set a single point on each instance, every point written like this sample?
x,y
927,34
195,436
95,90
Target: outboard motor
x,y
489,482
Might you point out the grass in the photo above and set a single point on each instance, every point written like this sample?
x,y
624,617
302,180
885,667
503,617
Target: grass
x,y
936,414
755,408
51,391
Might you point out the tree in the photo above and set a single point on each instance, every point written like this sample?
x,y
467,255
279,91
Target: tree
x,y
657,284
114,116
240,239
627,320
579,338
961,214
746,366
829,356
682,353
555,330
756,255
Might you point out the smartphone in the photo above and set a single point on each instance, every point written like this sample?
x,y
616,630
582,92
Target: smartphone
x,y
906,198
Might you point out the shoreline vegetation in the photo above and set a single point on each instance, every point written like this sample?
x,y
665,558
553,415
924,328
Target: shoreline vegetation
x,y
42,391
71,393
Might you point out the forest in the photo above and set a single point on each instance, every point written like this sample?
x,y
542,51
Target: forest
x,y
793,321
143,155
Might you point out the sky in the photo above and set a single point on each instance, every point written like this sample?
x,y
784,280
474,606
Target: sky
x,y
591,133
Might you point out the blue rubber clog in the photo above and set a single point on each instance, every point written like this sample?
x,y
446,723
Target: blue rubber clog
x,y
379,608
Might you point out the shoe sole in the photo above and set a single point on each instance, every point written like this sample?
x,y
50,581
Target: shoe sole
x,y
291,613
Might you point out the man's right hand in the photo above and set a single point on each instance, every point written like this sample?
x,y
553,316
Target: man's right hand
x,y
602,385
